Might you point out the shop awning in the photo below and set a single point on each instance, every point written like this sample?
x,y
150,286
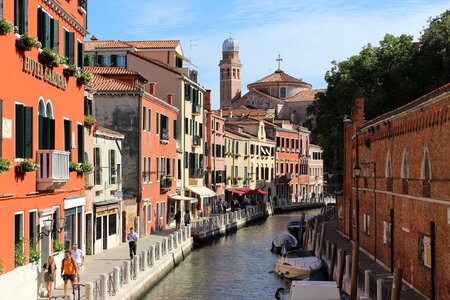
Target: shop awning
x,y
201,190
257,192
239,191
177,197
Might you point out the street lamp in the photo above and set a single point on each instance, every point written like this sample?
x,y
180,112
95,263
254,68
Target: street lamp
x,y
52,226
356,173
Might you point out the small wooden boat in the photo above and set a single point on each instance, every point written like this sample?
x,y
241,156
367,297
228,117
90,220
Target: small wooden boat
x,y
297,265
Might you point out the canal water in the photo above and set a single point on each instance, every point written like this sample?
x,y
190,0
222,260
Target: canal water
x,y
238,266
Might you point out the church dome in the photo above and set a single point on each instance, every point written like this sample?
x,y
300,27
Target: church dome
x,y
230,44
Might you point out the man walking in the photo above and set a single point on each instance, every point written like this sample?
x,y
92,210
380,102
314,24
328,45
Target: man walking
x,y
69,271
132,240
78,257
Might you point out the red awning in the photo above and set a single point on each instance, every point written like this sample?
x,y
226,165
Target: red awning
x,y
240,191
256,192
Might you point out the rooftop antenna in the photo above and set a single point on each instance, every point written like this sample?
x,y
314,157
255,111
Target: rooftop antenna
x,y
279,60
190,47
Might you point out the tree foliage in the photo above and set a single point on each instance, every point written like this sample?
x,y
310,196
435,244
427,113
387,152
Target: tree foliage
x,y
391,74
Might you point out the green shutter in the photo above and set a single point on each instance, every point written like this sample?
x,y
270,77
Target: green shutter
x,y
40,25
55,35
28,133
68,137
41,121
80,55
19,131
71,45
46,42
51,134
80,129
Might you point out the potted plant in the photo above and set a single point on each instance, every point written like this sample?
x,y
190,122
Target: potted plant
x,y
28,165
73,71
6,27
51,58
58,246
19,256
229,178
74,167
86,167
26,42
5,165
84,77
35,255
239,178
89,120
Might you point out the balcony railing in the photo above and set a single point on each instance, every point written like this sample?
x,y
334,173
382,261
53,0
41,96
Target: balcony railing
x,y
82,5
164,136
165,184
197,140
53,170
196,173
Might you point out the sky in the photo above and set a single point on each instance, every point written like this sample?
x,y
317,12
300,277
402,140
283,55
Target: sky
x,y
308,35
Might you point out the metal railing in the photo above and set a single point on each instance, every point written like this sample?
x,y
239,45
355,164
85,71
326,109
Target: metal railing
x,y
53,168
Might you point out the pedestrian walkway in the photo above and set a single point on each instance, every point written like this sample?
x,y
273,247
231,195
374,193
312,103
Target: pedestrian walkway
x,y
104,262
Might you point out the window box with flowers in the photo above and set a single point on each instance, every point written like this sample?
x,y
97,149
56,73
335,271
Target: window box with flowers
x,y
86,167
89,120
27,42
6,27
5,165
51,59
72,71
84,78
27,166
74,167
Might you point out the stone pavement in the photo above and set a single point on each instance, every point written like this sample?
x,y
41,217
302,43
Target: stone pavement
x,y
104,262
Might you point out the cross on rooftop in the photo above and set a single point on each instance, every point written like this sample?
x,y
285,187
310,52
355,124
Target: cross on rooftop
x,y
279,60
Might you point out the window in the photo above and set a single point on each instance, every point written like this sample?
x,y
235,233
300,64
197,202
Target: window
x,y
144,118
424,250
366,225
218,148
179,169
97,167
24,131
80,54
48,30
387,227
157,123
21,15
112,224
186,126
149,212
98,226
69,40
68,137
149,120
246,149
149,168
121,61
80,143
157,169
186,159
112,167
32,231
18,229
175,129
88,106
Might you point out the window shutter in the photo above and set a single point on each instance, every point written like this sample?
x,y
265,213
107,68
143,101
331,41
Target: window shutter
x,y
48,32
99,59
55,35
40,24
80,55
19,131
28,134
41,126
175,129
25,15
51,134
114,60
70,44
67,136
80,129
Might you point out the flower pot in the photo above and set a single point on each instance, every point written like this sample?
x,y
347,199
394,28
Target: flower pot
x,y
23,46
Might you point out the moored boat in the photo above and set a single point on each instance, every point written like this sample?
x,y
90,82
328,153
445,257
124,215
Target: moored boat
x,y
283,242
310,290
297,265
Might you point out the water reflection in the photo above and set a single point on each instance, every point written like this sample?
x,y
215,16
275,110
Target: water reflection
x,y
234,267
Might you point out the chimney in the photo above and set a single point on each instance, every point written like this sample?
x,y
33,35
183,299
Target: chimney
x,y
207,100
152,88
358,109
169,98
220,113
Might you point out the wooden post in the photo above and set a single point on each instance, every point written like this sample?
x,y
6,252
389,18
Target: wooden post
x,y
305,241
314,242
333,261
355,257
341,261
397,284
300,229
322,233
316,220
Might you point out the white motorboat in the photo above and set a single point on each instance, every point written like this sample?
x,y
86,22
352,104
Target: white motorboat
x,y
283,241
310,290
297,265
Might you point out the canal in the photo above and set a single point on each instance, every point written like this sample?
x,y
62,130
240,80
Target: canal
x,y
237,266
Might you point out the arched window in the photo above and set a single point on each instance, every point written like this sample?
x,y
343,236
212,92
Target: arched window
x,y
228,73
222,73
389,181
404,173
426,173
238,75
234,73
46,125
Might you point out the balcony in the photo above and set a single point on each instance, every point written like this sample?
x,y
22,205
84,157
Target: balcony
x,y
196,109
164,136
82,6
197,140
53,170
165,184
196,173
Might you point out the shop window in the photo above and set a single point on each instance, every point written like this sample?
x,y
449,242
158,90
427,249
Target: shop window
x,y
112,224
24,131
69,40
21,15
48,30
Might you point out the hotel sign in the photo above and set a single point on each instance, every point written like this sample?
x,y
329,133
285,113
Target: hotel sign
x,y
40,71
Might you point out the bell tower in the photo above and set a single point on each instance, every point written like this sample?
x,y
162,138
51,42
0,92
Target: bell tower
x,y
230,73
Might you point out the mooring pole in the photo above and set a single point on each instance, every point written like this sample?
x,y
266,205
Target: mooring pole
x,y
397,284
355,257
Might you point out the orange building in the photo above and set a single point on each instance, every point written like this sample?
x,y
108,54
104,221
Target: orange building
x,y
41,113
125,102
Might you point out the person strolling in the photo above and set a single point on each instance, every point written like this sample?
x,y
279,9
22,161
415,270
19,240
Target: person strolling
x,y
132,242
177,220
49,270
187,218
78,257
69,271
